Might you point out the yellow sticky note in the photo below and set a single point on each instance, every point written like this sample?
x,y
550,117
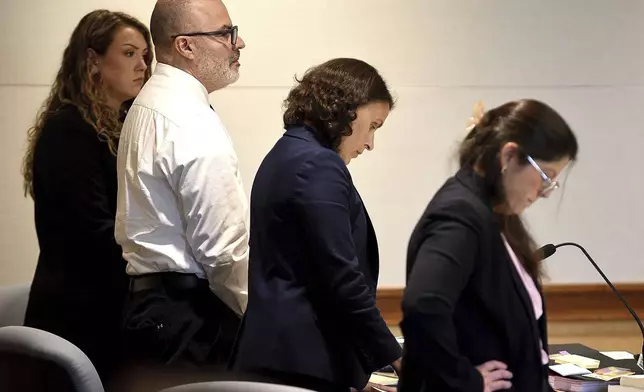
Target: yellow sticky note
x,y
383,380
584,362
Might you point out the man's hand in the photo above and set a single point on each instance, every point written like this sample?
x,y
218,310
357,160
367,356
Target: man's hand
x,y
495,376
373,387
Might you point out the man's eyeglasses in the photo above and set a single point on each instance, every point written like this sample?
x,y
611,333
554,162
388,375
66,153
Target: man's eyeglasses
x,y
232,31
548,185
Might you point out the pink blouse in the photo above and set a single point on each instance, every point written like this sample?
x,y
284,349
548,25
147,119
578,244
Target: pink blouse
x,y
532,290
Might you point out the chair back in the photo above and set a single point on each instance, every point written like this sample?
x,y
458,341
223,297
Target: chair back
x,y
36,360
234,386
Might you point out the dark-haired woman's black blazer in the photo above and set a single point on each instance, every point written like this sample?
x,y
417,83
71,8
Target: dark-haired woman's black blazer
x,y
79,287
465,303
313,271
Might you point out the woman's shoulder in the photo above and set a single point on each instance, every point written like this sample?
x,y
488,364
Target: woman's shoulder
x,y
68,116
68,122
66,132
324,165
456,201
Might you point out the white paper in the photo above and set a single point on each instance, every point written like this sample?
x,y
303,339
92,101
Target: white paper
x,y
568,369
617,355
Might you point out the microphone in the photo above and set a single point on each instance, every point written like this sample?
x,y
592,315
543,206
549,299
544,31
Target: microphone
x,y
549,249
544,252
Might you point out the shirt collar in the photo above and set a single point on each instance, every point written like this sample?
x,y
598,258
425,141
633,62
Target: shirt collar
x,y
182,80
476,183
302,132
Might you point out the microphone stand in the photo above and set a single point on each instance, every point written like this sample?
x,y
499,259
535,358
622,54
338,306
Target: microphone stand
x,y
640,361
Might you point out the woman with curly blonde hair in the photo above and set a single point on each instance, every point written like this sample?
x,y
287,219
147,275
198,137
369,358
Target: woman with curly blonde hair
x,y
312,319
69,170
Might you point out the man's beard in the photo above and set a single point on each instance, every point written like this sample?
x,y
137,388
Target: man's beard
x,y
220,73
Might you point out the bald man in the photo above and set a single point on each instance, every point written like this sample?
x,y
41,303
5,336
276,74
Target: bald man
x,y
182,214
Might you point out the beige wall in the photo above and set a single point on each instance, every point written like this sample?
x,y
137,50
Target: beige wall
x,y
585,57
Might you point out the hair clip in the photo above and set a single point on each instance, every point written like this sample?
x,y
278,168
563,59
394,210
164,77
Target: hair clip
x,y
477,114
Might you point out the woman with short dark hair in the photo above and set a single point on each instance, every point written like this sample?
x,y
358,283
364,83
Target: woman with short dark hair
x,y
312,319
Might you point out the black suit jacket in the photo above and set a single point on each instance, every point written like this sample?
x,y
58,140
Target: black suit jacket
x,y
80,283
313,270
465,303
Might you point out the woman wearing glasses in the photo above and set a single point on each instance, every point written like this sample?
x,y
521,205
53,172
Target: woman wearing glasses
x,y
473,313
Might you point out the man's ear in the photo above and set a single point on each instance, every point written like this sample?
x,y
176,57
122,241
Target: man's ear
x,y
92,61
185,47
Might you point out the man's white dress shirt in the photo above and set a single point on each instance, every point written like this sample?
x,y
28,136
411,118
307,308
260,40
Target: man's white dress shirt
x,y
181,204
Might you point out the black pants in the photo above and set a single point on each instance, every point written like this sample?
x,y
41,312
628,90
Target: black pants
x,y
184,326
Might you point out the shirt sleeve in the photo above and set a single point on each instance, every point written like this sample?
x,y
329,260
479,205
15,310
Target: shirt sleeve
x,y
215,209
441,270
324,207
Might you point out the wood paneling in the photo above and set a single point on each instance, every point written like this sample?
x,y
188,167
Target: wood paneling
x,y
615,335
604,335
580,302
388,301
